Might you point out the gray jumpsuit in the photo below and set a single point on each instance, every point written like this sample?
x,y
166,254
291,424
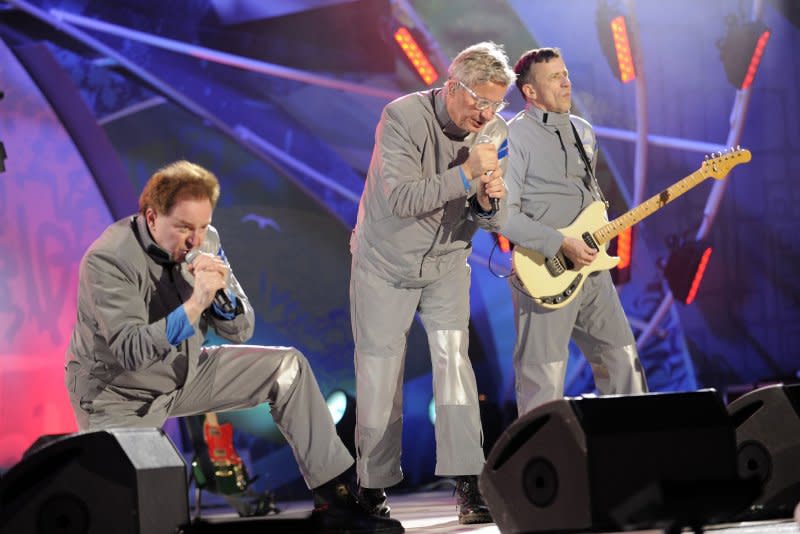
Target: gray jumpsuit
x,y
548,186
122,370
410,247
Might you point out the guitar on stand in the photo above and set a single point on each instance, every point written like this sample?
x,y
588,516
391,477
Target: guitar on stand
x,y
218,468
554,282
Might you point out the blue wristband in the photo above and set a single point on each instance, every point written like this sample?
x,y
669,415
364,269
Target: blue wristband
x,y
463,178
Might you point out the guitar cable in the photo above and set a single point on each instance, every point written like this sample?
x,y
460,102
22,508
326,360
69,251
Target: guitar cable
x,y
496,245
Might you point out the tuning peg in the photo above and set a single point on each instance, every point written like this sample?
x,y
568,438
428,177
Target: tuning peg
x,y
705,157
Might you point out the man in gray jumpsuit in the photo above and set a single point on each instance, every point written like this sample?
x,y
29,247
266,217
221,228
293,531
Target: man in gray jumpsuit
x,y
136,355
425,196
549,184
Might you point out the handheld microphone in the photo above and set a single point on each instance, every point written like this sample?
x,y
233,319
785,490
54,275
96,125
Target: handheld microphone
x,y
495,132
482,138
221,299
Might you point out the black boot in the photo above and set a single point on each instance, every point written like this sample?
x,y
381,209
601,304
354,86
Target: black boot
x,y
374,501
471,506
336,509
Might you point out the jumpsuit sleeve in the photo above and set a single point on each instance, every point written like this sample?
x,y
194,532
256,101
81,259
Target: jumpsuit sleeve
x,y
400,177
120,312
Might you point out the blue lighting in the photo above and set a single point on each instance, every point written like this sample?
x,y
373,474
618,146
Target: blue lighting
x,y
337,405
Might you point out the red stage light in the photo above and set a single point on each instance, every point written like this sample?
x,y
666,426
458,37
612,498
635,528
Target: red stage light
x,y
622,46
755,59
741,50
698,275
415,55
624,248
685,269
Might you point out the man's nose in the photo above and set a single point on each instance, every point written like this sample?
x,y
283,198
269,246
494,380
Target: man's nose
x,y
487,113
195,239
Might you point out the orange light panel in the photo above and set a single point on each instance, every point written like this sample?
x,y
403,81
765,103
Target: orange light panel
x,y
698,275
619,31
415,55
624,248
756,59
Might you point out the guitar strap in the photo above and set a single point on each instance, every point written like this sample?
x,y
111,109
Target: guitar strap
x,y
592,184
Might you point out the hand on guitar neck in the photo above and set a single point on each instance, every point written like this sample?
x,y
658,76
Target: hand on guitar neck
x,y
577,251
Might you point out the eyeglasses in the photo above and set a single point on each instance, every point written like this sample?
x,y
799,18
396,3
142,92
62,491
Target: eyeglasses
x,y
484,103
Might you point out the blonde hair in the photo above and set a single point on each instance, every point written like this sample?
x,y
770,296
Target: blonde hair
x,y
482,63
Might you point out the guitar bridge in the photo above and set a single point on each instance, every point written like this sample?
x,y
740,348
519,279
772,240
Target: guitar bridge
x,y
555,265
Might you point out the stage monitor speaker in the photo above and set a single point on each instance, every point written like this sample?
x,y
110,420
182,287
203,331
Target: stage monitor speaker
x,y
767,422
615,463
122,481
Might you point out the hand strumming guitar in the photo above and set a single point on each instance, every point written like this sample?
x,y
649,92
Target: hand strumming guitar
x,y
578,251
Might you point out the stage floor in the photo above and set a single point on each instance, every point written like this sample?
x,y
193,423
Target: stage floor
x,y
434,512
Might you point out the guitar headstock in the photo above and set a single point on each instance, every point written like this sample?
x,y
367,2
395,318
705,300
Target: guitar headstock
x,y
719,164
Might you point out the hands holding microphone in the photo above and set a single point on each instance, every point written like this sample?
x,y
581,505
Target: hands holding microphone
x,y
488,160
211,276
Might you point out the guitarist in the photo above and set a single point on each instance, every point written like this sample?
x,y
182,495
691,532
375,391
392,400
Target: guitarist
x,y
550,181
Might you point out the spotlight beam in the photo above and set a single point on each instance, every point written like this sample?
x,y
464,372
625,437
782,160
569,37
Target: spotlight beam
x,y
660,140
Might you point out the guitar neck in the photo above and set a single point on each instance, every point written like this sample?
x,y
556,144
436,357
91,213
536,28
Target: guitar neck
x,y
211,419
648,207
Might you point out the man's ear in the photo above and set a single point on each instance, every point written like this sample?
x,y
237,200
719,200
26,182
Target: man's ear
x,y
451,87
529,91
150,217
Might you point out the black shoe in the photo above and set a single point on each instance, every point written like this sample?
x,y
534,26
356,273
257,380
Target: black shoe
x,y
336,509
471,506
374,501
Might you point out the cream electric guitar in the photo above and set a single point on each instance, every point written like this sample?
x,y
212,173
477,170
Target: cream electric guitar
x,y
554,282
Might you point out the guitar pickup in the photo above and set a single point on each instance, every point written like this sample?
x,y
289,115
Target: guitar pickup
x,y
589,240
